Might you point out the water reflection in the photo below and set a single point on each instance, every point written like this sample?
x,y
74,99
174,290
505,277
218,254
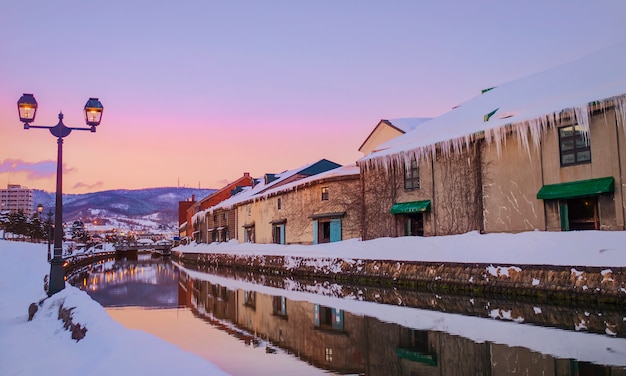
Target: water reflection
x,y
337,330
145,282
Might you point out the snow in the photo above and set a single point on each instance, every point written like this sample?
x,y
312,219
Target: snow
x,y
262,191
504,328
574,248
526,106
407,124
41,345
37,346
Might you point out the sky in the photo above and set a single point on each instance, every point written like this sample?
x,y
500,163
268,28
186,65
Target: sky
x,y
196,93
40,345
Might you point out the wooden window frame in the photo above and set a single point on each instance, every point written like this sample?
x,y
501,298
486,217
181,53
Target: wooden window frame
x,y
325,193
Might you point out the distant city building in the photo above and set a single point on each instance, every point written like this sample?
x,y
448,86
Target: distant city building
x,y
15,198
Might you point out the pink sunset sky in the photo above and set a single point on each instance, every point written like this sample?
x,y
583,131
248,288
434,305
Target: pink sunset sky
x,y
197,92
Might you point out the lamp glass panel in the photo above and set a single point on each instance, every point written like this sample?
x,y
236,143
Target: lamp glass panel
x,y
27,111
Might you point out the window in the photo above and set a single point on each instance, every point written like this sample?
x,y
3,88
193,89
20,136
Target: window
x,y
574,146
249,298
279,306
412,177
328,318
324,193
279,203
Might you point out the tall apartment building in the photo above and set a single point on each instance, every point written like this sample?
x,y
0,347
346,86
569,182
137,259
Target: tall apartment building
x,y
15,198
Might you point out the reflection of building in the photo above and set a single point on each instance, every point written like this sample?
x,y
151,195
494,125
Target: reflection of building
x,y
341,342
16,198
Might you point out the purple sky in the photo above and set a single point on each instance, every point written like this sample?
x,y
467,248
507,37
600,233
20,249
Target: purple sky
x,y
198,92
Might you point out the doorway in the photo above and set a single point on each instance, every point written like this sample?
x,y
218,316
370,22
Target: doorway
x,y
581,214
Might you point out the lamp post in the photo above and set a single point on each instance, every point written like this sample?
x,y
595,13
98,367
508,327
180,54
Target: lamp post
x,y
27,108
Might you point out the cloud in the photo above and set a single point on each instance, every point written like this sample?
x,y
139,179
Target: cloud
x,y
33,170
87,186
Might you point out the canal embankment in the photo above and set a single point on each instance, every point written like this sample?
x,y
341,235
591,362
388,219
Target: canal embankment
x,y
567,283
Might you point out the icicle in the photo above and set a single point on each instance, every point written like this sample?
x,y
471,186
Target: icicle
x,y
620,111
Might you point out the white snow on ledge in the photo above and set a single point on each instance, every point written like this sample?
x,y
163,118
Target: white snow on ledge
x,y
572,248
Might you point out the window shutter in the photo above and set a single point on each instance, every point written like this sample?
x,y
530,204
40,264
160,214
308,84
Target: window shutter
x,y
282,234
335,230
316,316
337,319
315,232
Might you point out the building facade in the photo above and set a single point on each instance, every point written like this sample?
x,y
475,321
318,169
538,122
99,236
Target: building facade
x,y
17,198
322,208
529,155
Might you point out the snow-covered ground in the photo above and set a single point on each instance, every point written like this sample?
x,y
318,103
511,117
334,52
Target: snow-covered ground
x,y
40,345
574,248
43,347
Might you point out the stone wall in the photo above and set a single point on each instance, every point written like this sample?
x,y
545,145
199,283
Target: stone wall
x,y
564,283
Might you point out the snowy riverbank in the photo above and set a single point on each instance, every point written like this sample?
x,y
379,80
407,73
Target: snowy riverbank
x,y
579,248
39,346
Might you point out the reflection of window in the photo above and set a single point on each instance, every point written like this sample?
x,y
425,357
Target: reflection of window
x,y
328,318
249,298
573,146
412,176
328,354
279,306
324,193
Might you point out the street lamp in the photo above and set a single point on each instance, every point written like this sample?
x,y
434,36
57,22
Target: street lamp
x,y
27,108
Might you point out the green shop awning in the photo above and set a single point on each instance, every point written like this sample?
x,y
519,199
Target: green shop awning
x,y
416,356
577,188
410,207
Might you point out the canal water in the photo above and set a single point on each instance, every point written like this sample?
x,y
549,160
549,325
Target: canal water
x,y
251,324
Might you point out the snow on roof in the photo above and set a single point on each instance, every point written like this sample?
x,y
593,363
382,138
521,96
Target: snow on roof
x,y
531,103
348,170
262,190
407,124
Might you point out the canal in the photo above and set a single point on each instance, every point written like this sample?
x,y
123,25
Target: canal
x,y
251,324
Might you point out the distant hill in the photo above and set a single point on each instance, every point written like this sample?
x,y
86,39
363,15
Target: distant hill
x,y
141,207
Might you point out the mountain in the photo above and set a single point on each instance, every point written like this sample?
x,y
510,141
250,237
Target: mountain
x,y
145,208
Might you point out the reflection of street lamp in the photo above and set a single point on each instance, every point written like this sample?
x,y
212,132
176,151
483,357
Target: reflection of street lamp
x,y
39,210
27,108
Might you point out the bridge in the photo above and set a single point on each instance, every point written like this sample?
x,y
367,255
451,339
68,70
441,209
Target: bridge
x,y
162,248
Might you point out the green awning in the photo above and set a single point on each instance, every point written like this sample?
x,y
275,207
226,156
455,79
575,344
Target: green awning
x,y
577,188
416,356
410,207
